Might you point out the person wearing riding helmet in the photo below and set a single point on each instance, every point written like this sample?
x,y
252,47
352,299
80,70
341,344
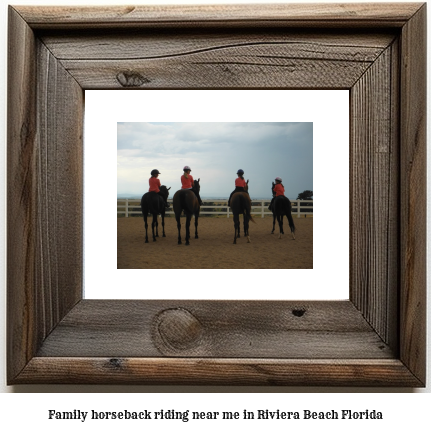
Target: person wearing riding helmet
x,y
188,183
155,185
240,184
277,190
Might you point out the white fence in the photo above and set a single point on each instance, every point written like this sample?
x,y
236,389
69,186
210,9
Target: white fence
x,y
129,207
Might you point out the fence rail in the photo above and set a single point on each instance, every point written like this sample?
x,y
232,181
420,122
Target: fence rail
x,y
130,207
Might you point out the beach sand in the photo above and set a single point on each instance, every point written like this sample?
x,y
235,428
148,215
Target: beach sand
x,y
214,249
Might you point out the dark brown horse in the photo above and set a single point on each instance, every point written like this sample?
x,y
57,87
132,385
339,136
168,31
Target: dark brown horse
x,y
240,203
186,199
280,208
153,203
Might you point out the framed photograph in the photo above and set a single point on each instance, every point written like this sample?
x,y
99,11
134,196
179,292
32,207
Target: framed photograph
x,y
218,153
374,338
313,144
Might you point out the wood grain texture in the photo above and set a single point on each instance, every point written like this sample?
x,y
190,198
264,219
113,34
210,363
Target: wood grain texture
x,y
44,194
231,60
376,338
413,194
374,195
347,45
232,329
21,196
300,15
197,371
206,60
59,164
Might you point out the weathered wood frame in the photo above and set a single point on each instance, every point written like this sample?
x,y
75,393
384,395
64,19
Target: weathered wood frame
x,y
376,338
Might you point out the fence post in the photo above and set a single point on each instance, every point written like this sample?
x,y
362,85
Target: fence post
x,y
127,207
263,209
228,211
299,205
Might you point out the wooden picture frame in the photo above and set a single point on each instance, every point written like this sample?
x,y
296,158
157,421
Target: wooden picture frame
x,y
376,338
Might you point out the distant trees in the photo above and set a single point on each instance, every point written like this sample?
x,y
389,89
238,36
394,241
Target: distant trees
x,y
306,195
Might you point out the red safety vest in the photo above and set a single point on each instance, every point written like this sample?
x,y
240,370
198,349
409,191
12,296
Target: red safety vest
x,y
279,189
186,183
154,184
239,182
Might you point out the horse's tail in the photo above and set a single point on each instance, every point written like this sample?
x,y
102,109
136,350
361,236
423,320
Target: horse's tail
x,y
289,216
183,203
145,204
179,202
154,203
248,211
291,224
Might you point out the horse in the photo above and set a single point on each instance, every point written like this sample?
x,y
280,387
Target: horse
x,y
186,199
240,203
153,203
280,208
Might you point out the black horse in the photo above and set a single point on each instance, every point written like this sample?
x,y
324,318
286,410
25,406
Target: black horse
x,y
186,199
153,203
240,203
282,207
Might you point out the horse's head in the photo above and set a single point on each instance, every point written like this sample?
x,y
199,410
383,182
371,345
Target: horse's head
x,y
196,185
272,188
164,191
246,186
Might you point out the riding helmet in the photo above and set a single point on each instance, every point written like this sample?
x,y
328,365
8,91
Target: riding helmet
x,y
278,179
240,171
187,168
155,171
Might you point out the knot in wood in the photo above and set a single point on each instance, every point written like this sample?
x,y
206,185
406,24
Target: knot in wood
x,y
178,328
115,363
298,312
131,79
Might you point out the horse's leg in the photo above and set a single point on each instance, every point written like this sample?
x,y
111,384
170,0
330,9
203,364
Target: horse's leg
x,y
189,216
246,226
236,226
273,223
163,224
146,228
280,224
154,225
157,226
291,224
178,218
196,225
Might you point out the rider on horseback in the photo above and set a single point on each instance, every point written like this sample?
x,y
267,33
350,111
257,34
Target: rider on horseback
x,y
240,184
277,190
155,185
187,182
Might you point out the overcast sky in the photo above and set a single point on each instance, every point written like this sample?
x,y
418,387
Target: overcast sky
x,y
215,151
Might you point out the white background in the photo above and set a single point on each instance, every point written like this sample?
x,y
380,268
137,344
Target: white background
x,y
402,409
329,112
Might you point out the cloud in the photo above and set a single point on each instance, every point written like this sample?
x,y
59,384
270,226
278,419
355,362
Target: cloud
x,y
215,151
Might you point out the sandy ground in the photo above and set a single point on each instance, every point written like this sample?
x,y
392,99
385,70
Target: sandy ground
x,y
214,249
